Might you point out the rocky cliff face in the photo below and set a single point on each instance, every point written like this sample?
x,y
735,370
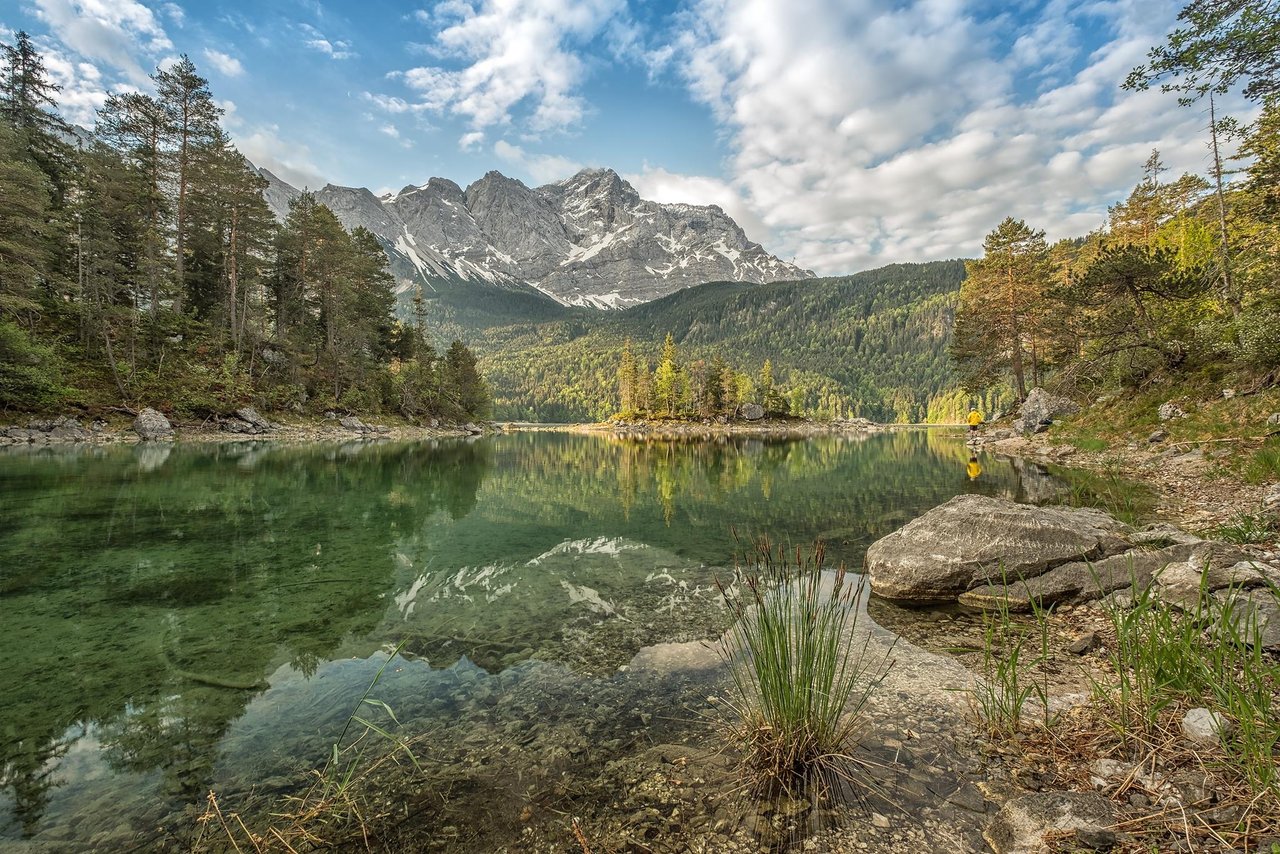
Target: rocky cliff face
x,y
589,240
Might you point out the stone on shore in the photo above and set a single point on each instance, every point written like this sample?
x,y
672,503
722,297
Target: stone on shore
x,y
752,411
1021,824
1041,408
975,539
151,425
1203,726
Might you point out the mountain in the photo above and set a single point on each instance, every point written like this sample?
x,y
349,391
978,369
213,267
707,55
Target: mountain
x,y
874,344
588,241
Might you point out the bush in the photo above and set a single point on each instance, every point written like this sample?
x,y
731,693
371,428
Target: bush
x,y
28,371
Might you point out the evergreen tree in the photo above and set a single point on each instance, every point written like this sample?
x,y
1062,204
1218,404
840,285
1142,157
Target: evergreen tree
x,y
24,229
192,124
464,384
666,380
627,380
999,302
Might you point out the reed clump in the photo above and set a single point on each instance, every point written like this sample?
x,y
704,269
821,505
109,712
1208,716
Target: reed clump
x,y
800,674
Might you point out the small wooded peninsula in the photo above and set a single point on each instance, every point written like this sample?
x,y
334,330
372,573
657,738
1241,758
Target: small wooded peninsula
x,y
568,518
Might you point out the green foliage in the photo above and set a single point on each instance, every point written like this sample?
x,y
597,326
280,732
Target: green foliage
x,y
1264,465
28,371
1245,528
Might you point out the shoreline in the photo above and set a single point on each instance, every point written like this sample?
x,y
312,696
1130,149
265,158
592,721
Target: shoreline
x,y
1190,491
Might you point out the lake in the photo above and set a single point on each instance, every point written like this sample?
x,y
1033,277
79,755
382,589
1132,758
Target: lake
x,y
175,620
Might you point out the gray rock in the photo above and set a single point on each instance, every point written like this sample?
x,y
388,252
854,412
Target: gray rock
x,y
152,425
1163,534
752,411
1228,393
1271,498
1083,644
1021,824
1078,581
973,539
1169,411
1209,567
1040,409
1253,614
1274,419
249,415
1157,437
351,422
472,429
1203,726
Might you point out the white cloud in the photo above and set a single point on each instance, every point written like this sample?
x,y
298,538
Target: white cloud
x,y
542,168
334,49
899,132
289,160
83,89
112,31
228,65
470,140
510,55
174,13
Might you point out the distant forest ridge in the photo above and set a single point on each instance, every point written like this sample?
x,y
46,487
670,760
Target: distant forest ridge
x,y
873,345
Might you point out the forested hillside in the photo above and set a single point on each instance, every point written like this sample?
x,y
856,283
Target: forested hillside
x,y
872,345
141,266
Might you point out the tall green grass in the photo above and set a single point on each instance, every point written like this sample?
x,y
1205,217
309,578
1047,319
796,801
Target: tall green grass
x,y
800,676
1012,651
1209,655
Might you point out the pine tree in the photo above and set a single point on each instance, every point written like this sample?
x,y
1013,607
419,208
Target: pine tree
x,y
192,123
24,229
627,380
995,321
666,380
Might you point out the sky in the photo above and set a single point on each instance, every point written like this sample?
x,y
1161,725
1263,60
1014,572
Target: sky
x,y
841,134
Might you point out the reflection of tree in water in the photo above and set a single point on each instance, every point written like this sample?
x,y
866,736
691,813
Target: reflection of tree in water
x,y
147,600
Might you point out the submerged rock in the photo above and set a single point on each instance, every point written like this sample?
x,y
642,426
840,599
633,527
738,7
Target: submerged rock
x,y
152,425
974,539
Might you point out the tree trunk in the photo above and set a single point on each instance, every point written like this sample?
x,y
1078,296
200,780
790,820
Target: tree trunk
x,y
1015,336
1228,287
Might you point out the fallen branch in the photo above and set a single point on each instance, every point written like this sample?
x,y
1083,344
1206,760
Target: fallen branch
x,y
1232,439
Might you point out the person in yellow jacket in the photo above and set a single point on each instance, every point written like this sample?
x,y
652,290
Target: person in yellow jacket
x,y
975,420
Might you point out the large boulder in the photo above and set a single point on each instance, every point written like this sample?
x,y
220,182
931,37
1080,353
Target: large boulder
x,y
975,539
752,411
151,425
1042,408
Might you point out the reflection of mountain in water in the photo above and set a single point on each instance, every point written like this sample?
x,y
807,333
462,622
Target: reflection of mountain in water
x,y
139,589
587,603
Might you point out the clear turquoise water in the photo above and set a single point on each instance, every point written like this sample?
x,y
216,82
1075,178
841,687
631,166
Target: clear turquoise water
x,y
179,619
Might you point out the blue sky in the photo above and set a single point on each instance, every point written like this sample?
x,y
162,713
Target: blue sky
x,y
841,133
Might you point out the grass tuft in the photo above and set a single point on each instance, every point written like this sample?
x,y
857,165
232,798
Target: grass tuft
x,y
800,677
1012,652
